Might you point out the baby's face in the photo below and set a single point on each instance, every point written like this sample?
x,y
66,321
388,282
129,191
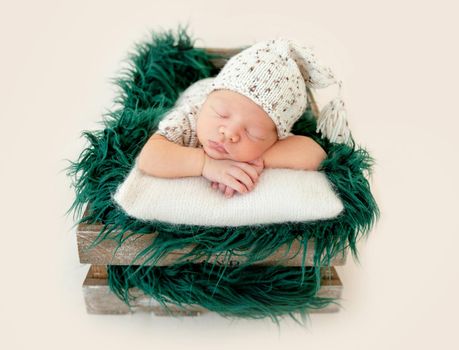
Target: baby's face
x,y
237,123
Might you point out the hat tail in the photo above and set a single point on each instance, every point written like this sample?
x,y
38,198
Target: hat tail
x,y
332,122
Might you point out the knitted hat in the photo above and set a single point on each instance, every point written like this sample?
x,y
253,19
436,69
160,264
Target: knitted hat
x,y
274,74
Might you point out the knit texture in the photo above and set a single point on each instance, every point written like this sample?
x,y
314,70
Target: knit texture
x,y
282,195
274,74
179,124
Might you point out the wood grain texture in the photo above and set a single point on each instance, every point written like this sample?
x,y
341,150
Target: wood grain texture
x,y
105,253
100,300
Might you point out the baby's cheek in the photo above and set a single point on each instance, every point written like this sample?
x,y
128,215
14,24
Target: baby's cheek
x,y
248,153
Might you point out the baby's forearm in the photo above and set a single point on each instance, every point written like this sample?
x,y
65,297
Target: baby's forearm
x,y
294,152
163,158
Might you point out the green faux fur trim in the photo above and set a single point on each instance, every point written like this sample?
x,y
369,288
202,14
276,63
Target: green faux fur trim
x,y
259,292
159,70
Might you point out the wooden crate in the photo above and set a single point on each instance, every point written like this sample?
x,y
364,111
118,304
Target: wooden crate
x,y
100,300
105,252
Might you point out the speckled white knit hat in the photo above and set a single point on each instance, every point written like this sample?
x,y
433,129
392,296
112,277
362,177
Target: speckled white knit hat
x,y
274,74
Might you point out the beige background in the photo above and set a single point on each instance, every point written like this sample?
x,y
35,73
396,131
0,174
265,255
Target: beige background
x,y
398,62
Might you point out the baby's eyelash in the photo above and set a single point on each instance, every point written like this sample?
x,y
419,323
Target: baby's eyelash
x,y
252,136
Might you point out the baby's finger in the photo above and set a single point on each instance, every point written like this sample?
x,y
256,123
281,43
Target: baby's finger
x,y
229,192
233,183
256,161
247,169
258,164
222,187
214,185
242,176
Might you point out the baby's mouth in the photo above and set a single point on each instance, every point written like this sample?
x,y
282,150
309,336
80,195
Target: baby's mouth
x,y
219,147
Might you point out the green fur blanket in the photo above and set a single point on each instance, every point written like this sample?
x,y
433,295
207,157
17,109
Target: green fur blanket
x,y
159,70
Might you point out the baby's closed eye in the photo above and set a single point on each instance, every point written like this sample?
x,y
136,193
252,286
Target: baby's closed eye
x,y
252,135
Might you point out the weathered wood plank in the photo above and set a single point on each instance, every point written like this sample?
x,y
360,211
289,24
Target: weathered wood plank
x,y
228,52
100,300
104,253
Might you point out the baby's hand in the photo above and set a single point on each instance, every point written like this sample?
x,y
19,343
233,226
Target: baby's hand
x,y
257,164
239,176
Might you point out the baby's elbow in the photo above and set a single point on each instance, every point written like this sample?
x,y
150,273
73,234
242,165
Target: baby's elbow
x,y
147,157
316,157
144,160
140,162
321,156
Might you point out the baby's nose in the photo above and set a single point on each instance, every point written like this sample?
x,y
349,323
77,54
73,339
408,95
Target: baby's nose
x,y
229,134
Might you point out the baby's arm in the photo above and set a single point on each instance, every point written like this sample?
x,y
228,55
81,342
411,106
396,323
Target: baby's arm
x,y
163,158
294,152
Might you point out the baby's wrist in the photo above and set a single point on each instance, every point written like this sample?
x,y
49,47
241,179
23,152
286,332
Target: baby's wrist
x,y
203,161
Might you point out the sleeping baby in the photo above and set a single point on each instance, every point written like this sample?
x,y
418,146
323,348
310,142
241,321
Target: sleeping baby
x,y
230,127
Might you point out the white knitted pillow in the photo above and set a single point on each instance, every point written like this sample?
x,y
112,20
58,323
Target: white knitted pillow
x,y
281,195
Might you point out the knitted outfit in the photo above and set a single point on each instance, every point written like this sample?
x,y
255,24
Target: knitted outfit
x,y
273,74
179,124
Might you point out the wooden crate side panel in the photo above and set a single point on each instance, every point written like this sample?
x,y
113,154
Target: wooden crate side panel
x,y
100,300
